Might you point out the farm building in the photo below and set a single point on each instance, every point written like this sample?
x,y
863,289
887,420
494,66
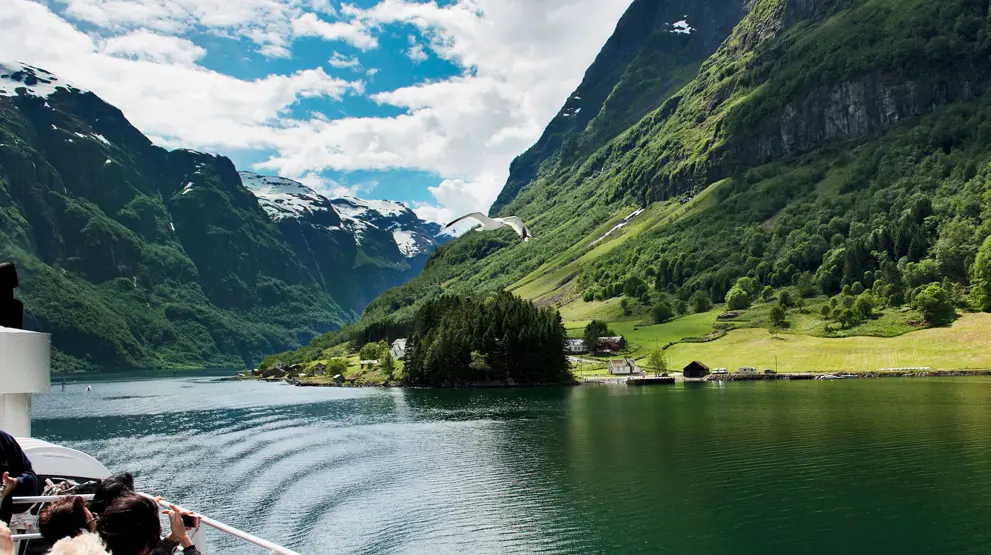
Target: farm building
x,y
623,367
399,349
611,344
696,369
574,346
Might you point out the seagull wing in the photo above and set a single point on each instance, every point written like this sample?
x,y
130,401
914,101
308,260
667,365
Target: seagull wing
x,y
482,218
518,226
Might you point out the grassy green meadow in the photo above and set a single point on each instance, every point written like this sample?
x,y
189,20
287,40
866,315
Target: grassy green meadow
x,y
964,345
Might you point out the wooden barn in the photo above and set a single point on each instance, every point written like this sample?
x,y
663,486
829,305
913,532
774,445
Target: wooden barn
x,y
696,369
611,344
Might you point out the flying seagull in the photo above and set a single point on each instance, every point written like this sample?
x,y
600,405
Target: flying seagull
x,y
488,224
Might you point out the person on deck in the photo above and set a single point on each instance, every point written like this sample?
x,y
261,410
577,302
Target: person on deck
x,y
131,526
66,518
19,478
109,490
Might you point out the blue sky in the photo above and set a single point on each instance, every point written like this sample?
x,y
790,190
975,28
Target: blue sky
x,y
426,102
391,69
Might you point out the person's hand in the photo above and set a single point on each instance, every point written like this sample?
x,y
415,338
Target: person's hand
x,y
6,544
177,531
9,484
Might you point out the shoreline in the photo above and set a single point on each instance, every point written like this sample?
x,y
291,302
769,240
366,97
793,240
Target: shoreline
x,y
610,381
396,385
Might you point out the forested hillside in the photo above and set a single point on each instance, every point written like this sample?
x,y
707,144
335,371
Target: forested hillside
x,y
132,256
498,340
824,146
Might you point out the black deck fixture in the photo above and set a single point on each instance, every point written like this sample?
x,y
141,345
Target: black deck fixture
x,y
11,309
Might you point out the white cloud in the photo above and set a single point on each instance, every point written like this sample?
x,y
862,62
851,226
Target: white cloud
x,y
331,188
431,213
372,71
340,61
417,54
145,45
520,59
355,34
274,51
323,6
267,23
455,198
173,101
326,186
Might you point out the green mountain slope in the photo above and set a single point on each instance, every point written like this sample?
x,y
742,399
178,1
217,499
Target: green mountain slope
x,y
827,145
132,256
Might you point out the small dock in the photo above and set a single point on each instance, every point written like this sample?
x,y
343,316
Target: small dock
x,y
650,380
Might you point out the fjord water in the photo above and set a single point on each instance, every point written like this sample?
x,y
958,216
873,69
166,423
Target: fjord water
x,y
858,466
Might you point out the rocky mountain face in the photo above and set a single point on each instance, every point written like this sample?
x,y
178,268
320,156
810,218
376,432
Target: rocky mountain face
x,y
355,248
136,257
656,49
766,90
824,145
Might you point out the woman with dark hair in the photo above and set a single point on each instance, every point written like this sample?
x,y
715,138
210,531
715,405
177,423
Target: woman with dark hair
x,y
65,518
109,490
130,526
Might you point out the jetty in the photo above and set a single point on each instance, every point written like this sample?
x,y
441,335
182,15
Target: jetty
x,y
650,380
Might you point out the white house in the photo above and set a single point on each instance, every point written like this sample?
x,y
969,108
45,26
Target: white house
x,y
623,367
399,349
575,346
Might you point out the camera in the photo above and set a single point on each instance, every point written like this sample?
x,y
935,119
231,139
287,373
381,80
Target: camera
x,y
11,309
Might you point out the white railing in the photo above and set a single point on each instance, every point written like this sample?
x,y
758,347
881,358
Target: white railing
x,y
273,549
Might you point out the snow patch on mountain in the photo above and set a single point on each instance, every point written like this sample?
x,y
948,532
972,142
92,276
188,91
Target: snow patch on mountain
x,y
406,242
682,27
284,198
356,207
356,226
17,78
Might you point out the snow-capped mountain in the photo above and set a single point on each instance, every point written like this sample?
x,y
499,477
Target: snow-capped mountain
x,y
134,256
21,79
284,198
412,235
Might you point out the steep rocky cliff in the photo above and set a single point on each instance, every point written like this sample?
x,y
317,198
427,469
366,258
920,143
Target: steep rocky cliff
x,y
656,49
134,256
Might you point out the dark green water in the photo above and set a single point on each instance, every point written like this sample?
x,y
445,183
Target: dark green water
x,y
874,467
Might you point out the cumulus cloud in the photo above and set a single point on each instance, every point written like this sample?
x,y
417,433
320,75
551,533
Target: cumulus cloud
x,y
455,198
323,6
340,61
355,34
145,45
153,80
267,23
326,186
519,58
417,54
